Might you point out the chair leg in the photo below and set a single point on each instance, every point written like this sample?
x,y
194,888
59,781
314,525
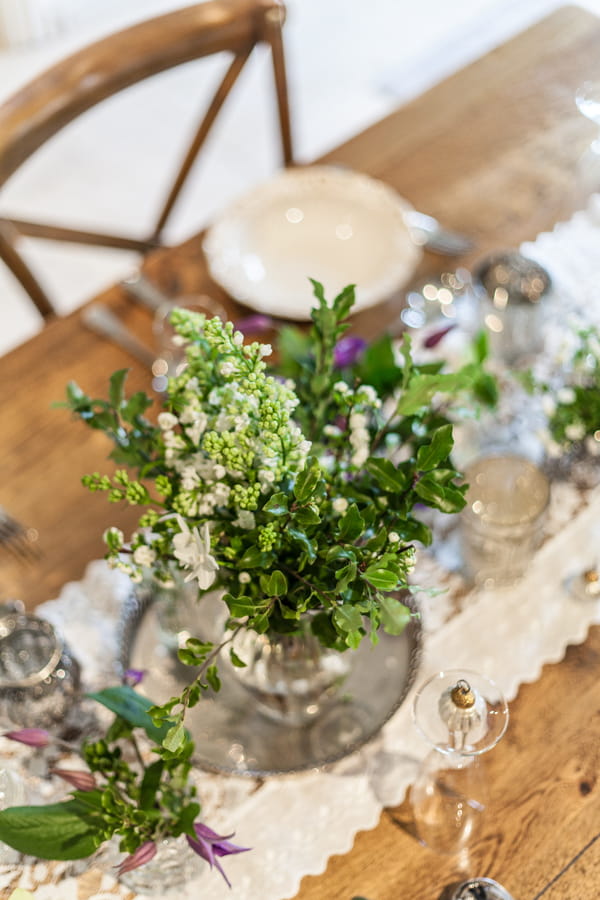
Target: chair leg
x,y
274,17
19,268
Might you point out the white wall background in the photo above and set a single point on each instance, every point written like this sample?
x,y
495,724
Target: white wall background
x,y
349,63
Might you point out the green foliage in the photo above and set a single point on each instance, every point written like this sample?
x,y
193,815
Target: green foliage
x,y
293,498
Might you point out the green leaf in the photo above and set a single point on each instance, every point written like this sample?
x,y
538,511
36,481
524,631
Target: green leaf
x,y
278,585
380,577
351,525
116,387
235,660
395,616
345,576
277,505
347,618
307,515
239,607
344,302
447,498
150,783
131,706
387,476
431,455
305,541
307,480
175,738
212,676
422,389
252,558
137,404
59,831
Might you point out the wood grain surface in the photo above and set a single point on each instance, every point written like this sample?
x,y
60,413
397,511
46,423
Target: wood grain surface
x,y
492,151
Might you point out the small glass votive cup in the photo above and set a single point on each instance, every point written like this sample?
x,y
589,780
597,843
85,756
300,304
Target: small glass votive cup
x,y
502,524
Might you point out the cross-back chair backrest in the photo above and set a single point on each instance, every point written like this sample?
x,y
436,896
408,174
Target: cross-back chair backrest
x,y
71,87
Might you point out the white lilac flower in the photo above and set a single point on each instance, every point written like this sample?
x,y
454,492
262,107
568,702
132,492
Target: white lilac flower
x,y
221,492
332,431
339,505
197,428
144,556
358,420
566,395
114,537
173,441
393,537
167,420
189,478
244,578
368,394
227,368
341,387
219,471
575,431
264,350
304,447
360,456
192,550
238,338
245,519
548,405
190,413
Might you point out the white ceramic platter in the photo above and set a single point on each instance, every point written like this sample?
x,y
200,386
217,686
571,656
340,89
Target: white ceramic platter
x,y
334,225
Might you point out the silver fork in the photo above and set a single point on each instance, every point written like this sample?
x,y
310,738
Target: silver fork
x,y
428,232
18,540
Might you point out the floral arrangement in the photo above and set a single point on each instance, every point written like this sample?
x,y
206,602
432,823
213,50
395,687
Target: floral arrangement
x,y
293,490
571,400
140,797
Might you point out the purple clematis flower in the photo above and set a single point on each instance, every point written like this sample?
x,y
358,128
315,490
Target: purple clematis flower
x,y
254,324
132,677
209,845
33,737
347,350
81,780
142,855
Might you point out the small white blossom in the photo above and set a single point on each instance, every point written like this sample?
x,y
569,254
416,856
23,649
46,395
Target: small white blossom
x,y
167,420
393,537
192,550
341,387
331,431
304,447
244,578
116,534
197,429
144,556
548,405
238,338
575,431
339,505
219,471
360,457
221,493
266,476
264,350
245,519
566,395
189,478
592,445
358,420
227,368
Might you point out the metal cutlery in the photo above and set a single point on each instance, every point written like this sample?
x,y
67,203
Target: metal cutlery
x,y
145,292
17,539
101,320
428,232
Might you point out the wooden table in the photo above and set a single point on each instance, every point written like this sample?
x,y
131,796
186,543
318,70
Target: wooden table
x,y
491,151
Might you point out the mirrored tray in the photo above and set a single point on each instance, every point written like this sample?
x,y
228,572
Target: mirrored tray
x,y
232,735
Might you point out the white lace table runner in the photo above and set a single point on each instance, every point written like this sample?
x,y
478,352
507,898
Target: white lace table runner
x,y
295,823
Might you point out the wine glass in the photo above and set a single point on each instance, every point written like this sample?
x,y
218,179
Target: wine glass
x,y
462,715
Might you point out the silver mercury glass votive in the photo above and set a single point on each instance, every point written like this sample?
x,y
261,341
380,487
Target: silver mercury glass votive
x,y
39,679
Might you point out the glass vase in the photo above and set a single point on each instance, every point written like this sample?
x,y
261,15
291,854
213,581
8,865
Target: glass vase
x,y
292,678
174,865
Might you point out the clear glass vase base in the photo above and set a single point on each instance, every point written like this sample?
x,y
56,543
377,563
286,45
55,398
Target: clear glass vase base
x,y
230,729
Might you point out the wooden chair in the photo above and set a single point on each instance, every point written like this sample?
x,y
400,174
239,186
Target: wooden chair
x,y
56,97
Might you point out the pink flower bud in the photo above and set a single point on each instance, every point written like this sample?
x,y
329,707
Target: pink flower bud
x,y
33,737
81,780
142,855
